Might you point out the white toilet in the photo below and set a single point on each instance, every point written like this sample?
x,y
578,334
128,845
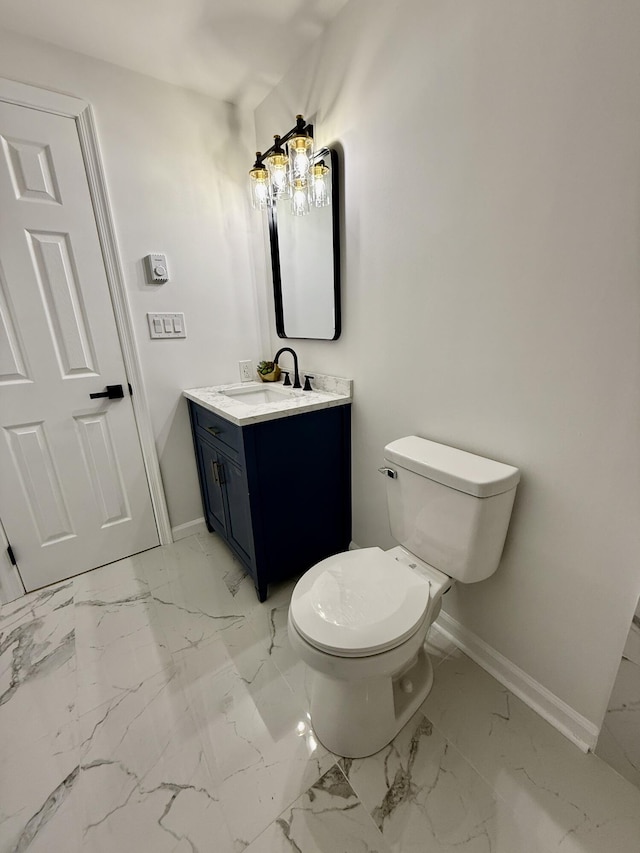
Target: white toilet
x,y
360,619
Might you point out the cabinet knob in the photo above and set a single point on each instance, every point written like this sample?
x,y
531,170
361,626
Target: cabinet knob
x,y
213,430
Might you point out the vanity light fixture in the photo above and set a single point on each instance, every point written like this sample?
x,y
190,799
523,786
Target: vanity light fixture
x,y
287,171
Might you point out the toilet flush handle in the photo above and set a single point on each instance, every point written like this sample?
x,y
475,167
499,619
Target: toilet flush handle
x,y
389,472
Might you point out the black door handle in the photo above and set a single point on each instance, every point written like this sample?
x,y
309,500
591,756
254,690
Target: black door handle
x,y
113,392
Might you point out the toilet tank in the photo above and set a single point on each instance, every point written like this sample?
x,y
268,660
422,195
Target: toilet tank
x,y
448,507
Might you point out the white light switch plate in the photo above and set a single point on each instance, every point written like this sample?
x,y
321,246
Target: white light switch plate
x,y
166,326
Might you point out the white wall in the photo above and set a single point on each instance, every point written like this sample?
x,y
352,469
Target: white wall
x,y
491,298
176,165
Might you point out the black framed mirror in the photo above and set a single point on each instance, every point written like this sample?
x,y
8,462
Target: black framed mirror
x,y
305,264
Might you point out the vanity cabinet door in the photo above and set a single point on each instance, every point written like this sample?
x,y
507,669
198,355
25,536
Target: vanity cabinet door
x,y
239,527
209,464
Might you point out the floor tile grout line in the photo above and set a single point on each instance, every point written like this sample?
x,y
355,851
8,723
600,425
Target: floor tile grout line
x,y
495,794
357,796
468,761
496,797
231,667
450,744
290,803
634,768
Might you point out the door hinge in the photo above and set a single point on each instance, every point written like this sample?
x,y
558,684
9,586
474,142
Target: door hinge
x,y
130,389
11,555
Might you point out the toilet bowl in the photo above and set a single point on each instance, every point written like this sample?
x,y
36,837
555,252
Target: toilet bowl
x,y
359,619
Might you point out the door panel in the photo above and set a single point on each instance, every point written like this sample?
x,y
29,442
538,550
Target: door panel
x,y
102,467
31,171
33,462
13,366
213,489
62,303
73,488
239,530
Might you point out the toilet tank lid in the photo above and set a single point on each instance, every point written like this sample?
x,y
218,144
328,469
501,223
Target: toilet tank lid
x,y
466,472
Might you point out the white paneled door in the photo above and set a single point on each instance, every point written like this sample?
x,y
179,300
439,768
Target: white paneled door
x,y
73,490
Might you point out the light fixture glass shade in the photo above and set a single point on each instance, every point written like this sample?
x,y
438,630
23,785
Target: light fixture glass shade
x,y
259,185
278,165
320,184
300,198
279,173
300,156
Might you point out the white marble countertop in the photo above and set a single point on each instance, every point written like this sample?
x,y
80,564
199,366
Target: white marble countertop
x,y
327,391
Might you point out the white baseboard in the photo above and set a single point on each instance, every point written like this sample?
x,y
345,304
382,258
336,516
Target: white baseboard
x,y
573,725
181,531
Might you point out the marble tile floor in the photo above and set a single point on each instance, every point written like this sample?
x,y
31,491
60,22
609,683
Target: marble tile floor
x,y
619,741
154,705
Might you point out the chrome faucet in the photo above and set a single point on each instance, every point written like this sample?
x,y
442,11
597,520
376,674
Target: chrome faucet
x,y
296,375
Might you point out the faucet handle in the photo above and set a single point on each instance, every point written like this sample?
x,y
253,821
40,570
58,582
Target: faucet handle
x,y
307,384
286,380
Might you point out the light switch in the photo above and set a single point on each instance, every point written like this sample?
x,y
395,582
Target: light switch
x,y
166,325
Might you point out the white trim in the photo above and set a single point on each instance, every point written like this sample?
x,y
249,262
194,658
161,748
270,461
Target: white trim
x,y
67,105
181,531
563,717
113,267
41,99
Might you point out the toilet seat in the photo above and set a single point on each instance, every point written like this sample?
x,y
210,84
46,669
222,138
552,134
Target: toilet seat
x,y
359,603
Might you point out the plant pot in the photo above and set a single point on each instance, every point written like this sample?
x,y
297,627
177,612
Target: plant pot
x,y
271,377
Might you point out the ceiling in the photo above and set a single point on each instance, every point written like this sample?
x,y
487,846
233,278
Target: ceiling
x,y
234,50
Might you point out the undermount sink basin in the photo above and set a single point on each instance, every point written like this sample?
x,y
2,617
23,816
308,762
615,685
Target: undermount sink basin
x,y
259,396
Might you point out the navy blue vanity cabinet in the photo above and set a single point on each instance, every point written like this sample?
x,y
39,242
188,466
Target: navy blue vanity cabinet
x,y
278,492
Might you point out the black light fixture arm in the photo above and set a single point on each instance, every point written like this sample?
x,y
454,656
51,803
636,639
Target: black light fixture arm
x,y
299,128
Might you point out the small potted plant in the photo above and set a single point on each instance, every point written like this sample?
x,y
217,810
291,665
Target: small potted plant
x,y
268,371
